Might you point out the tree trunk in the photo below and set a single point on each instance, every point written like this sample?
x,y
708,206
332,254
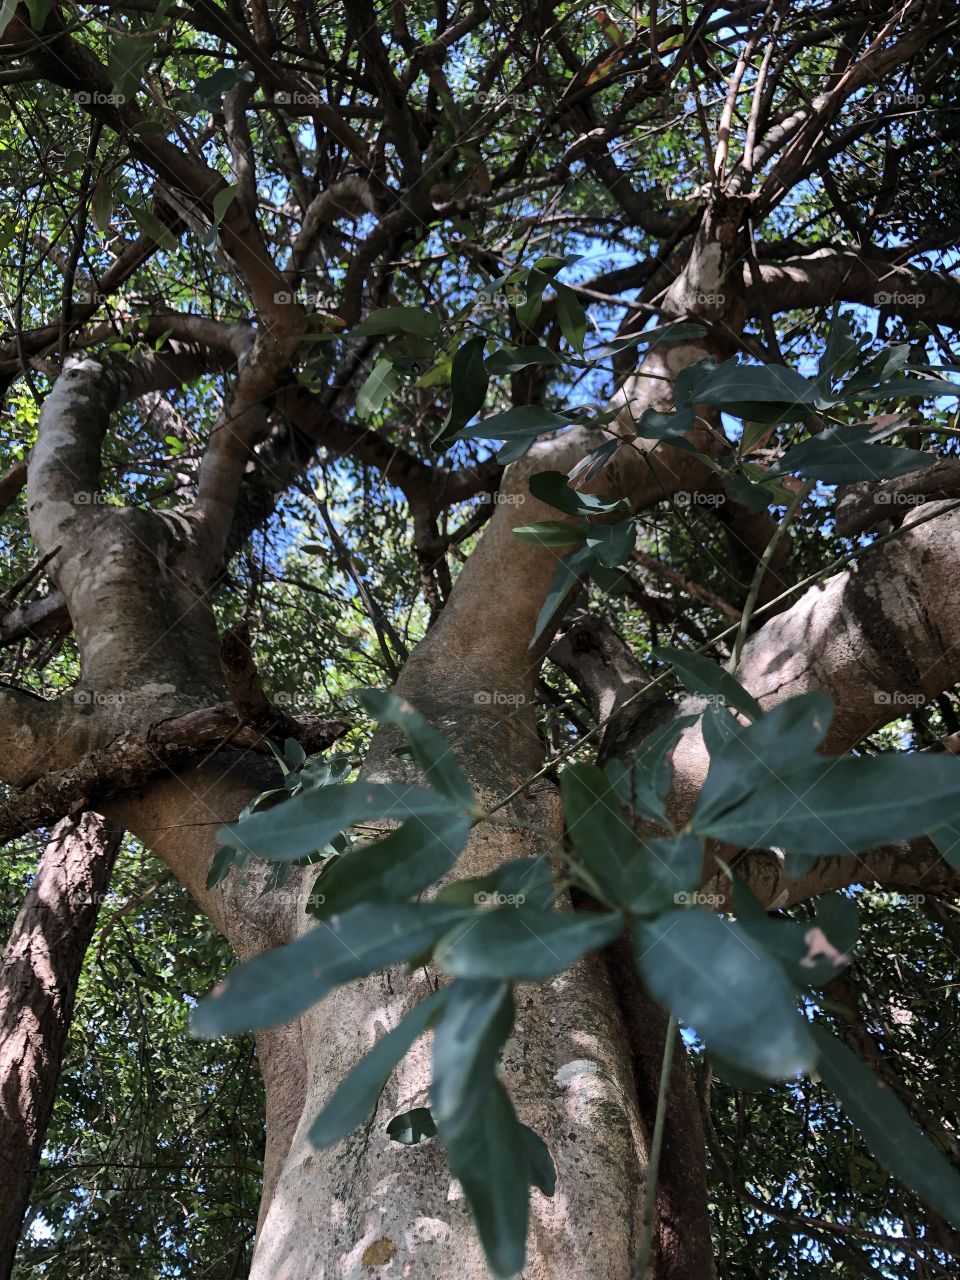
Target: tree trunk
x,y
38,985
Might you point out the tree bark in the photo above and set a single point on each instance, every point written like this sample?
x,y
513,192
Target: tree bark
x,y
38,985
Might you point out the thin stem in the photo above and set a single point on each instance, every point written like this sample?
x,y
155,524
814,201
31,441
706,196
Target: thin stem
x,y
653,1165
762,566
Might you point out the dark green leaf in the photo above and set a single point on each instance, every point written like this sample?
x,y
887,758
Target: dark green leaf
x,y
380,384
570,314
523,944
394,868
415,320
543,1175
310,819
553,488
430,749
281,984
513,359
515,424
468,385
841,455
356,1096
887,1127
643,783
411,1127
843,805
492,1161
712,977
476,1021
551,533
701,675
569,572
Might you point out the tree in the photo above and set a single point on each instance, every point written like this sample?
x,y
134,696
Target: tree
x,y
671,663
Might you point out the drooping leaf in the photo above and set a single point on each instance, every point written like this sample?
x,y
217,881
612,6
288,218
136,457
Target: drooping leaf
x,y
468,386
571,316
569,571
643,782
491,1158
477,1019
887,1127
281,984
355,1098
715,979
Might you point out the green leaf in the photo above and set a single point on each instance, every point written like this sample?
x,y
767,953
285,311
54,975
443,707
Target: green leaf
x,y
613,544
643,782
381,382
946,838
521,880
127,57
39,11
468,384
356,1096
223,860
572,318
812,953
543,1175
430,749
513,359
713,978
755,497
841,455
553,488
569,572
840,806
394,868
643,877
522,944
515,424
477,1019
411,1127
550,533
222,202
887,1127
779,743
739,388
839,353
310,819
151,225
701,675
491,1158
415,320
281,984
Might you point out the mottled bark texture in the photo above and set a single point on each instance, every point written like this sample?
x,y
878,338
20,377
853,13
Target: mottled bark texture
x,y
583,1062
38,983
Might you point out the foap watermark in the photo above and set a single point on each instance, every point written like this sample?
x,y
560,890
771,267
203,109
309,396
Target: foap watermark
x,y
88,295
495,899
694,898
305,297
893,499
96,98
501,300
709,299
502,499
91,698
497,698
683,498
897,699
884,299
89,498
296,98
884,99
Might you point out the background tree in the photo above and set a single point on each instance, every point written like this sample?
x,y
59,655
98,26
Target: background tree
x,y
279,277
